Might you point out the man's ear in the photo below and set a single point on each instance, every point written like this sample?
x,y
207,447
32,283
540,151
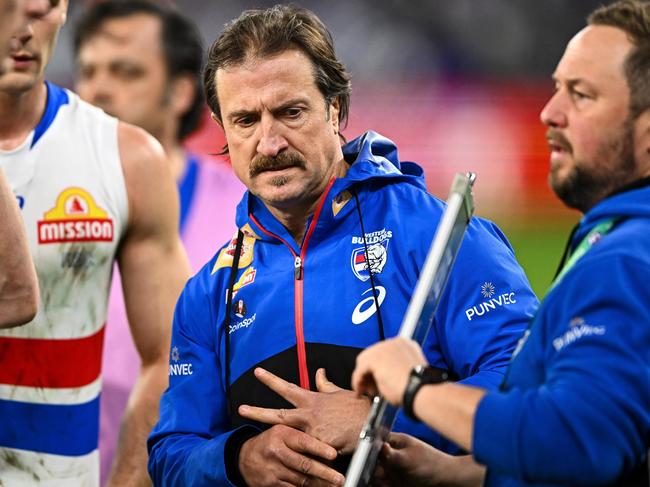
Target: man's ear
x,y
216,119
642,143
334,109
182,93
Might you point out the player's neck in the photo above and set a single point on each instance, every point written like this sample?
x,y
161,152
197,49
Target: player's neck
x,y
177,160
20,114
167,136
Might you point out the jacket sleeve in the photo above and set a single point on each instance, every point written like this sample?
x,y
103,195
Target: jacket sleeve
x,y
189,444
592,410
484,311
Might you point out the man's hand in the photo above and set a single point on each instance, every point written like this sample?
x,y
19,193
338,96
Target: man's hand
x,y
332,415
384,368
285,456
405,460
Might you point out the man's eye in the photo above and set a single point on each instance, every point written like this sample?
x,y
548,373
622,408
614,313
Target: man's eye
x,y
129,72
293,112
579,95
85,73
245,121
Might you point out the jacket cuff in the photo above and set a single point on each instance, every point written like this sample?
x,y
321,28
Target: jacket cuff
x,y
495,423
231,452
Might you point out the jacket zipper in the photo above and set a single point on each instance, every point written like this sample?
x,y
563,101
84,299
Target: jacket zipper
x,y
298,277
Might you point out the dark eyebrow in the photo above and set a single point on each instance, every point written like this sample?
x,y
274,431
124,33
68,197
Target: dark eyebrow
x,y
570,82
279,109
239,114
290,103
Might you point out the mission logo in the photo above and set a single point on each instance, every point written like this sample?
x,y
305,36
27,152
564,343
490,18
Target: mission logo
x,y
75,218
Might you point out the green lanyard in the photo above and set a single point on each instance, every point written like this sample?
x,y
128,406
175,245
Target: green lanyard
x,y
590,239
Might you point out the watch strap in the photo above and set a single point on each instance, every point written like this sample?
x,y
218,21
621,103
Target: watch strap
x,y
420,375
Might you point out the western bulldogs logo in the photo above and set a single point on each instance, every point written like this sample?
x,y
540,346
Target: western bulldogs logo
x,y
377,257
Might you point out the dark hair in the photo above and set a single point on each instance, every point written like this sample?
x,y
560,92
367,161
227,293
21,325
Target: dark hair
x,y
262,33
181,42
632,17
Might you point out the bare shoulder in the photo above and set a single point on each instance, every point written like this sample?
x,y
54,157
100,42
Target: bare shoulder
x,y
147,175
140,152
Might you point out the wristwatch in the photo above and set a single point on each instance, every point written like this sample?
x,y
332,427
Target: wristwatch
x,y
420,375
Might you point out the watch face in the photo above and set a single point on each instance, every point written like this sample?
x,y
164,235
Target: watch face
x,y
433,375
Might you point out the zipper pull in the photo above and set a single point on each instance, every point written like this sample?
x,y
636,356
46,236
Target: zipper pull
x,y
297,268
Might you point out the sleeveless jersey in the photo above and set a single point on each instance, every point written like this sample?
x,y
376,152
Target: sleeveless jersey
x,y
209,192
68,180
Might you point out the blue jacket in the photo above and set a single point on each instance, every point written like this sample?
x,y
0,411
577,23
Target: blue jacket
x,y
576,403
301,307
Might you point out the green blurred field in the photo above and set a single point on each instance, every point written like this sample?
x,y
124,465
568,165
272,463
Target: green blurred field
x,y
538,247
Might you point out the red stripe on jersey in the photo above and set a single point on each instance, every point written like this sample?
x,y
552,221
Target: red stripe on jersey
x,y
57,363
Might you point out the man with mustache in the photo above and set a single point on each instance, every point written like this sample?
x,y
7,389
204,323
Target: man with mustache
x,y
18,284
331,239
92,191
575,406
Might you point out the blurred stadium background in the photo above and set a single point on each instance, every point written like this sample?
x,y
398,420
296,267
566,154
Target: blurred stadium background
x,y
458,84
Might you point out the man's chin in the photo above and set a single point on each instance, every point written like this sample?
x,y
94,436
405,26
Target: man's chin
x,y
17,82
284,196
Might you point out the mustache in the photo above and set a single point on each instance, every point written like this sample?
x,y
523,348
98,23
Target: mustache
x,y
557,138
283,160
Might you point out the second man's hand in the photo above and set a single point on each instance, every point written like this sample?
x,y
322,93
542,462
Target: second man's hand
x,y
332,415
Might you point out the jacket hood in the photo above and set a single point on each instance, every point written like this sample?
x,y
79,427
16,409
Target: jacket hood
x,y
374,156
634,202
371,156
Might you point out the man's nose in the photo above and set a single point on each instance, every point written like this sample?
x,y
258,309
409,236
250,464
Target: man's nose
x,y
96,89
554,114
271,141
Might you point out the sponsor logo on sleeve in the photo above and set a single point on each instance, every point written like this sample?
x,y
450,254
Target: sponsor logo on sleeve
x,y
491,302
179,368
75,218
578,329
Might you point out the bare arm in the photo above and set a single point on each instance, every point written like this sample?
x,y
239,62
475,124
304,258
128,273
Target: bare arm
x,y
154,268
448,408
18,283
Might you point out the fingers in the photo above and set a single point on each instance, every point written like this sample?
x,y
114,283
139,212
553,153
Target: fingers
x,y
303,443
300,445
363,381
290,392
398,440
289,417
306,468
285,456
323,384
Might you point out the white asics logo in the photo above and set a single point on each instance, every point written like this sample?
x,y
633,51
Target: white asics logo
x,y
366,307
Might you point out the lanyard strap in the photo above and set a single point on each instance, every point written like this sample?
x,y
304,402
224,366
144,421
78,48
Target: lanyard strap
x,y
596,233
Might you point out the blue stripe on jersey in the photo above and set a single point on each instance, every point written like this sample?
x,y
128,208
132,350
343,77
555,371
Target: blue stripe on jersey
x,y
70,430
186,187
56,97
